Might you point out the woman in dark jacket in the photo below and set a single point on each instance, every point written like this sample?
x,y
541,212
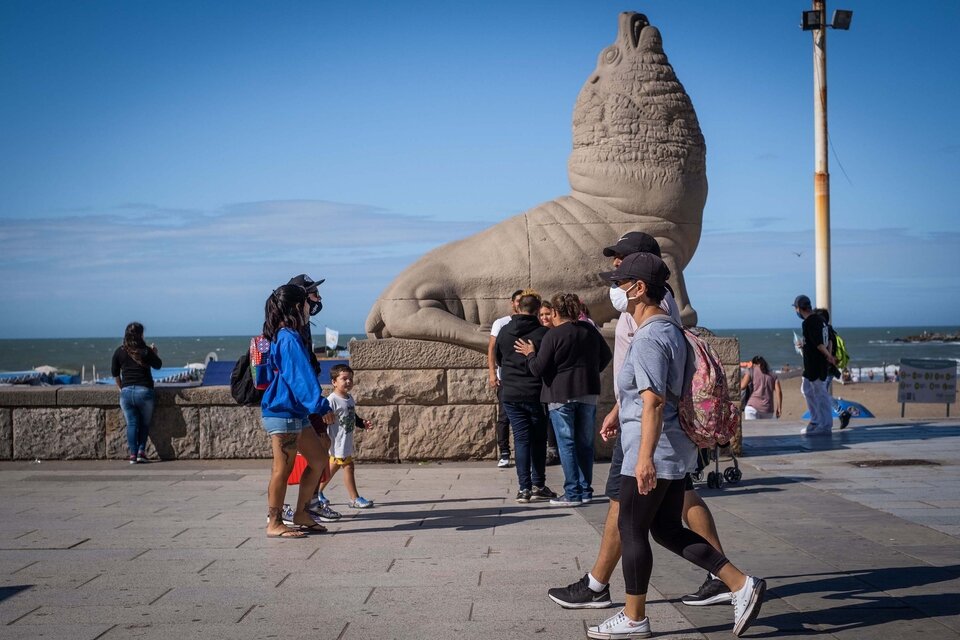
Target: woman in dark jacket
x,y
569,361
131,369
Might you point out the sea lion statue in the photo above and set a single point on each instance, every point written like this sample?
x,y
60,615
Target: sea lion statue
x,y
638,163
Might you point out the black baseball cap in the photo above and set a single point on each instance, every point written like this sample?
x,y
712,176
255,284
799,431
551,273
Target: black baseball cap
x,y
634,242
802,302
305,281
640,266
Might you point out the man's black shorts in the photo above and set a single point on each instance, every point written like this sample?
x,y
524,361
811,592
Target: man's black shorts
x,y
616,465
613,478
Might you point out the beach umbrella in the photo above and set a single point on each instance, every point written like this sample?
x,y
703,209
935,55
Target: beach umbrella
x,y
840,405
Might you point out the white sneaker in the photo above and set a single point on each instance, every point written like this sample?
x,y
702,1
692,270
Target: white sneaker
x,y
620,627
811,430
503,462
746,604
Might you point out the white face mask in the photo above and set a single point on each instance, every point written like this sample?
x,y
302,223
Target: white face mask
x,y
619,298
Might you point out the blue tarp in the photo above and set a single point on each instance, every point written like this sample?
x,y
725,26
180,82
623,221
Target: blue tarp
x,y
217,373
166,375
326,365
856,409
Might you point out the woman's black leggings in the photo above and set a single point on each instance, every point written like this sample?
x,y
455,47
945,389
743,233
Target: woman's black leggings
x,y
659,513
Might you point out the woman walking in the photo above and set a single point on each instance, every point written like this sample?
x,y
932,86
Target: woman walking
x,y
292,395
130,367
657,454
569,361
766,399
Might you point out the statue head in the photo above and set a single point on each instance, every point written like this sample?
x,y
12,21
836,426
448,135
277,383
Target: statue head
x,y
637,144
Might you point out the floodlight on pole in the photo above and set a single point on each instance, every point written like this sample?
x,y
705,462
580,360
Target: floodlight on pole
x,y
810,20
816,21
841,19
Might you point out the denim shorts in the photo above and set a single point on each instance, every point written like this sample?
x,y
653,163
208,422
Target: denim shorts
x,y
280,426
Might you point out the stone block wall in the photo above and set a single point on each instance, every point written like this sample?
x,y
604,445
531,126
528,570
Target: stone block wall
x,y
439,405
427,400
85,422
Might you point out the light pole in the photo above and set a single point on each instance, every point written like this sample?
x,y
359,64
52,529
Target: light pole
x,y
816,21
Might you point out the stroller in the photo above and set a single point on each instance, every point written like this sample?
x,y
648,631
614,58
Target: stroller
x,y
715,478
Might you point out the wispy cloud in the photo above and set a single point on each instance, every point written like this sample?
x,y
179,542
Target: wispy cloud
x,y
206,269
263,231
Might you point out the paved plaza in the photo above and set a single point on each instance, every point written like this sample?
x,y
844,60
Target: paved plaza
x,y
177,550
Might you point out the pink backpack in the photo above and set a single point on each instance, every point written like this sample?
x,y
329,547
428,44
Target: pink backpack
x,y
707,415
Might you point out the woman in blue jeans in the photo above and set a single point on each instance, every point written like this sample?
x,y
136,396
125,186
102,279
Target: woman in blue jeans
x,y
130,367
569,361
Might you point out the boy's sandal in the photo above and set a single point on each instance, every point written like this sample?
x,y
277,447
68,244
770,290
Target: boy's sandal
x,y
312,528
289,533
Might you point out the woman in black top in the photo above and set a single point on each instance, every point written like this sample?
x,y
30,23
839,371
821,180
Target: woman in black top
x,y
569,361
131,369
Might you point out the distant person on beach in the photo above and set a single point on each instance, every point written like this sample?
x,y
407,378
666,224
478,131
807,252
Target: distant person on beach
x,y
341,435
569,360
130,367
493,373
658,455
292,396
520,393
766,399
817,363
317,507
593,590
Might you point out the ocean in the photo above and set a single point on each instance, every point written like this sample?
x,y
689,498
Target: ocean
x,y
868,347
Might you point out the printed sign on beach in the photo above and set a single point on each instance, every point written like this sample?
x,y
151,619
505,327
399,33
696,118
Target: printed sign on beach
x,y
933,381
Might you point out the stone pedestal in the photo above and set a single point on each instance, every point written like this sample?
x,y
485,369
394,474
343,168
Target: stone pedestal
x,y
431,400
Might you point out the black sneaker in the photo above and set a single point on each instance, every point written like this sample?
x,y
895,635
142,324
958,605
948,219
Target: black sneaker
x,y
579,595
844,419
712,591
542,493
523,496
553,457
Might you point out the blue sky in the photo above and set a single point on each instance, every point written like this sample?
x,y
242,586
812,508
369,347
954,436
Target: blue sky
x,y
171,161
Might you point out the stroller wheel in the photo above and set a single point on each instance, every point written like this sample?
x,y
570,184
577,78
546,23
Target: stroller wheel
x,y
732,475
714,480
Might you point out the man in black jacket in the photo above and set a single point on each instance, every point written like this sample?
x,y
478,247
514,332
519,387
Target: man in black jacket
x,y
521,400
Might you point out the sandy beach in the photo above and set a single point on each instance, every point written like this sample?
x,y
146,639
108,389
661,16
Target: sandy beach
x,y
878,397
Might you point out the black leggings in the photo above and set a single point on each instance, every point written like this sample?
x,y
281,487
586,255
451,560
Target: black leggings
x,y
659,513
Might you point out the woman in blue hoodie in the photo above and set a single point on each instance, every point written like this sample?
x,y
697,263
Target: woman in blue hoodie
x,y
294,393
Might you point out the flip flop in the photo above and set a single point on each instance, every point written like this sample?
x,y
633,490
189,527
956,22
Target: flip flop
x,y
289,533
312,528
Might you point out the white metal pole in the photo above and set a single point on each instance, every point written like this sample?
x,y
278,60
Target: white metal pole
x,y
821,177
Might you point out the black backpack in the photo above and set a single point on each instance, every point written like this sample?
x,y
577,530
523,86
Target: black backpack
x,y
241,383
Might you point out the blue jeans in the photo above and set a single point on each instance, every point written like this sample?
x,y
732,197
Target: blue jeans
x,y
529,442
574,425
137,404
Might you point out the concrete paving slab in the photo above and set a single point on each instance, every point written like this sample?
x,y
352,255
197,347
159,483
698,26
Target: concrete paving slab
x,y
847,551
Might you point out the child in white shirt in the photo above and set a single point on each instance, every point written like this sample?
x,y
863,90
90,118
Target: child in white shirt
x,y
341,435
